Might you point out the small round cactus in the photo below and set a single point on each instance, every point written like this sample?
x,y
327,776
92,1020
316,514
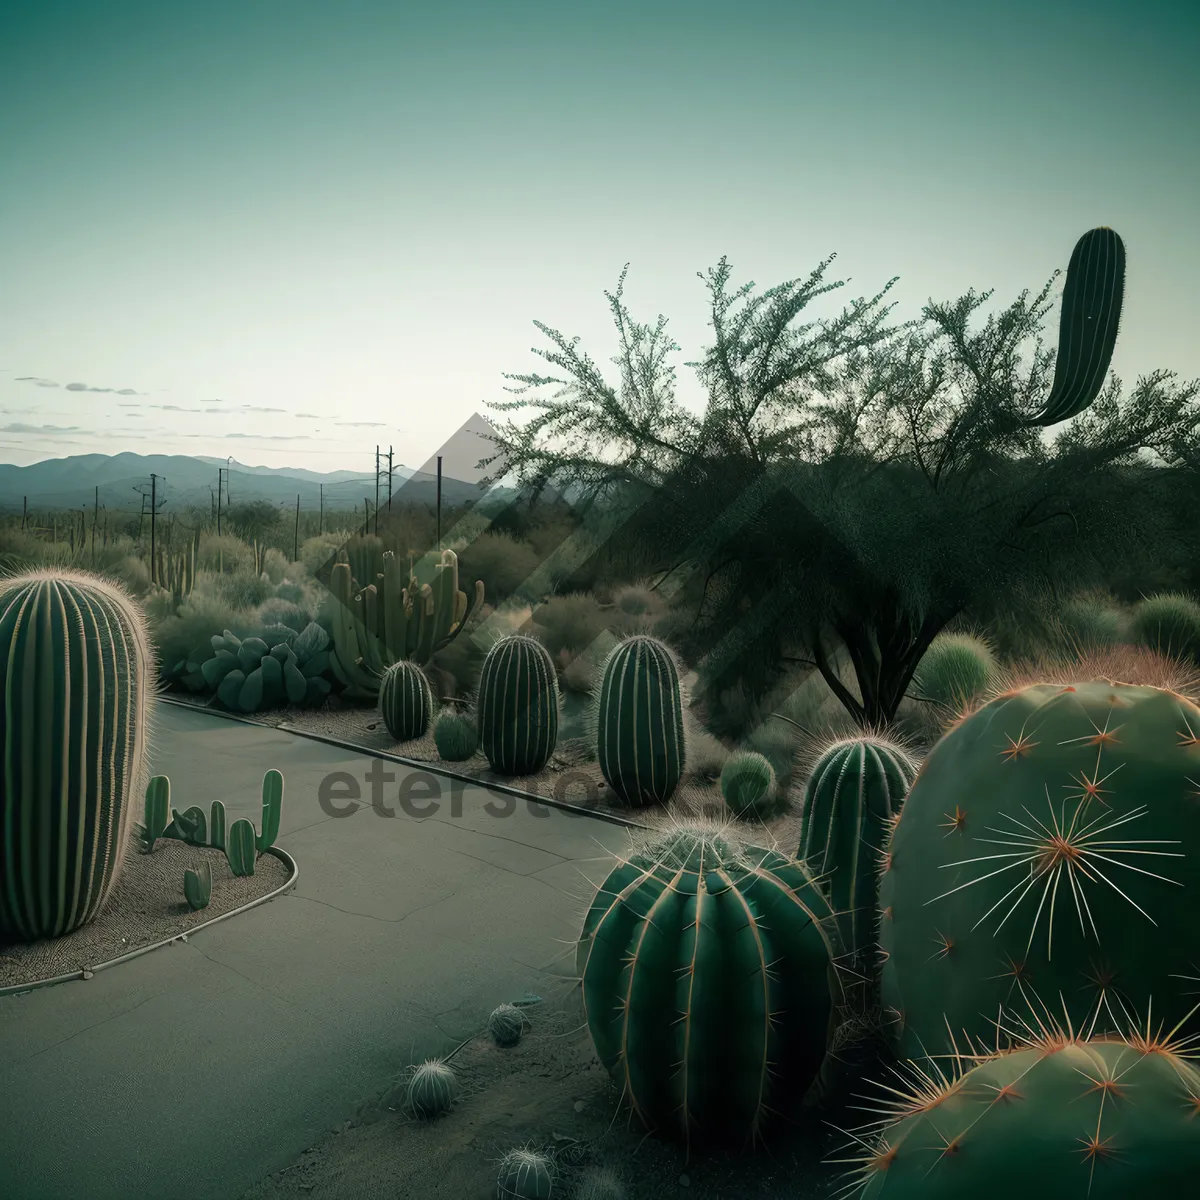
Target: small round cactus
x,y
600,1183
432,1089
456,737
749,786
525,1175
506,1025
955,669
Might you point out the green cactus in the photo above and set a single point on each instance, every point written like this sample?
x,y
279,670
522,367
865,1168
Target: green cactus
x,y
197,887
240,847
406,701
506,1024
517,706
156,814
749,787
1105,1119
456,737
1168,623
432,1089
955,670
272,810
708,981
189,827
525,1175
1049,842
216,825
851,800
78,679
637,722
1091,314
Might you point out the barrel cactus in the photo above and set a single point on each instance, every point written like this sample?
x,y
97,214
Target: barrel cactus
x,y
851,799
1050,843
432,1089
1168,623
708,981
525,1175
79,677
406,701
1106,1119
456,737
749,786
506,1024
517,706
955,669
637,722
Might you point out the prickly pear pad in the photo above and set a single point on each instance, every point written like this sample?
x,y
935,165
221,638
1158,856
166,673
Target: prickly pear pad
x,y
1076,1120
708,983
1050,845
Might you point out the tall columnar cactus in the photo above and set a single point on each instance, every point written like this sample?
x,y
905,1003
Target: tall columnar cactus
x,y
1091,313
397,615
1050,844
517,707
1082,1120
708,982
637,722
272,809
851,799
74,711
406,701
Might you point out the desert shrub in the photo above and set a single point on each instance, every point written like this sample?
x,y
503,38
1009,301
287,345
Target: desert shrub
x,y
226,552
275,611
131,573
158,604
243,589
500,561
706,755
779,743
315,552
199,617
1090,620
1168,623
955,669
275,565
571,622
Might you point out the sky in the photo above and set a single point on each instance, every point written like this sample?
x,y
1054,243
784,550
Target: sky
x,y
293,230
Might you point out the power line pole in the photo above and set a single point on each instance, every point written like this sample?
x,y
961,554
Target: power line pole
x,y
153,515
24,511
389,481
321,518
296,537
95,519
376,491
439,505
220,480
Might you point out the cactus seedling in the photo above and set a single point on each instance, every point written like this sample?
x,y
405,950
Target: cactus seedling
x,y
432,1089
197,887
506,1025
525,1175
240,847
158,806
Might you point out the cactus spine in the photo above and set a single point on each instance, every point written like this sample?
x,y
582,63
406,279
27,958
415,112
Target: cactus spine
x,y
708,982
197,887
517,706
639,727
1091,313
851,799
74,711
406,701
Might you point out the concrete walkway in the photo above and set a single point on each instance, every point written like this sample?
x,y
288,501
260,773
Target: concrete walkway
x,y
197,1069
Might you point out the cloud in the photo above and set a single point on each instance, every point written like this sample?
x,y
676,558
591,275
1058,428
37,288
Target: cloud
x,y
36,380
21,427
309,416
254,408
86,387
362,424
268,437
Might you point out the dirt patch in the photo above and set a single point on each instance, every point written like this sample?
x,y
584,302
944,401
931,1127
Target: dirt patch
x,y
147,906
549,1092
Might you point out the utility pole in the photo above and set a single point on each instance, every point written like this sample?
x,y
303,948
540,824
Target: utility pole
x,y
153,514
220,480
366,516
24,511
439,505
321,518
95,519
296,537
376,491
389,481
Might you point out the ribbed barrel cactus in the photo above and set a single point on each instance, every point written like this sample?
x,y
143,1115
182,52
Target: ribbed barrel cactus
x,y
406,701
517,706
1106,1119
708,982
1049,845
74,709
637,722
851,799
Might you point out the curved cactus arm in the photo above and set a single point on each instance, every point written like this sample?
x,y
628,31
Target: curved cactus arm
x,y
1091,314
272,806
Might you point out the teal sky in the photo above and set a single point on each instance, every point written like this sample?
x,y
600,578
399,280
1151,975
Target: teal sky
x,y
288,231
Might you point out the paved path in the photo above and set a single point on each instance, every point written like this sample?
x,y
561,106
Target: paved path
x,y
197,1069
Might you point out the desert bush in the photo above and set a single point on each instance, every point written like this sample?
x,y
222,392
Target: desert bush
x,y
571,622
315,552
1091,619
224,553
1168,623
500,561
199,617
275,611
706,755
275,565
243,589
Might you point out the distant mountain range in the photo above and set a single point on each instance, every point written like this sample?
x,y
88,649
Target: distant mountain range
x,y
183,480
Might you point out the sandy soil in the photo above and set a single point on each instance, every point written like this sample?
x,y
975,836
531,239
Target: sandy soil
x,y
146,907
550,1093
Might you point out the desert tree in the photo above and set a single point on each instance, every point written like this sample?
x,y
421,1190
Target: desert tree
x,y
857,486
